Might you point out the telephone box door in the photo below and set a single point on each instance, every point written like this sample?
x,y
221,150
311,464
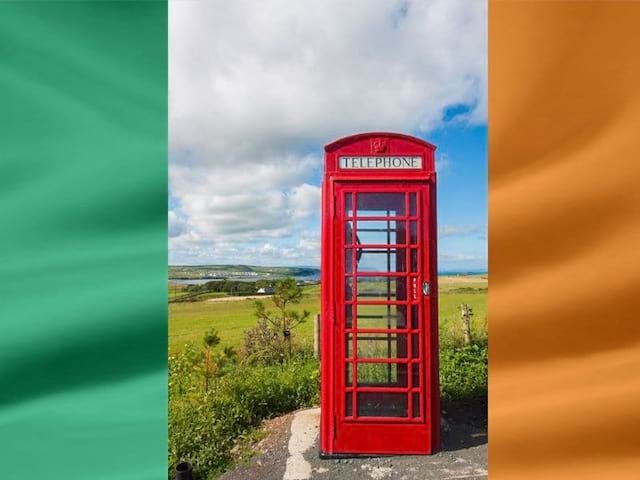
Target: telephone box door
x,y
383,329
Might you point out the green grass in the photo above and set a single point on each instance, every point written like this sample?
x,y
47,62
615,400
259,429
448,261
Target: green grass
x,y
189,321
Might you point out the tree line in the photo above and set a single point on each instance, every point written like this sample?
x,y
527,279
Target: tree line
x,y
230,287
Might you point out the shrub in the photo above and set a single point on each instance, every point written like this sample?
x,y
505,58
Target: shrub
x,y
463,372
271,341
451,335
204,427
262,345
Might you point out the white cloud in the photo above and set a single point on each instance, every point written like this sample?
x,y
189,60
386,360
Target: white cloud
x,y
276,73
461,257
443,164
258,199
305,251
448,230
255,87
176,225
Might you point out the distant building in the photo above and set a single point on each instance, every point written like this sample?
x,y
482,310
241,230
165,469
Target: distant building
x,y
266,290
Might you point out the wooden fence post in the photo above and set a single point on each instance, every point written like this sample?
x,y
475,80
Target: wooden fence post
x,y
466,314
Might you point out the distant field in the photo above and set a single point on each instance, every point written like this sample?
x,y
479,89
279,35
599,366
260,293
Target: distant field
x,y
189,321
179,291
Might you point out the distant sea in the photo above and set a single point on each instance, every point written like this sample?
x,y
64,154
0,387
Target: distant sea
x,y
311,278
200,281
463,272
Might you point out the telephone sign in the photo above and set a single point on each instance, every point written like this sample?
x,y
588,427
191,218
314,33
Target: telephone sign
x,y
380,162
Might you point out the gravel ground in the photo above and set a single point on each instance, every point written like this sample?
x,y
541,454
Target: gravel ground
x,y
290,451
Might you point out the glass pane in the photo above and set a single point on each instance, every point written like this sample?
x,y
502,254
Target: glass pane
x,y
380,345
415,318
412,204
381,232
347,288
380,204
347,232
416,404
382,404
381,288
348,205
381,260
413,232
348,260
414,260
347,375
382,375
348,311
347,404
415,374
415,346
382,316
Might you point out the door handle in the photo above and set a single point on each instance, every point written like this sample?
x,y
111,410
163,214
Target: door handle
x,y
426,289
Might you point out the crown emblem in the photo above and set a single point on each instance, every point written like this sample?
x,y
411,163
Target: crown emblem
x,y
379,145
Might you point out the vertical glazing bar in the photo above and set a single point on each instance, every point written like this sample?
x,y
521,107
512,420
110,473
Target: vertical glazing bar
x,y
409,295
354,313
389,295
420,322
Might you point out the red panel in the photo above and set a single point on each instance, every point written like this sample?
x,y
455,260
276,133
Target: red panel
x,y
387,438
368,434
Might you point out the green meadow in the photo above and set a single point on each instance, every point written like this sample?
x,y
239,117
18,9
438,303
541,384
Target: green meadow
x,y
231,316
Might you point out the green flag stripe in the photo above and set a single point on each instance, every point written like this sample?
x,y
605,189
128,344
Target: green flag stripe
x,y
83,249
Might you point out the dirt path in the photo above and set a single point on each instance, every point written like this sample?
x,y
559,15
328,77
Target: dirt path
x,y
290,452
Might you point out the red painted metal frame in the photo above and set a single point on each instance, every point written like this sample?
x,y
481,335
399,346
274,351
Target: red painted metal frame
x,y
340,434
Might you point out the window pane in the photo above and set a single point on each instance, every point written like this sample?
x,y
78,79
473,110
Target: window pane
x,y
413,232
381,260
347,288
380,345
381,288
412,204
348,260
415,374
348,206
415,346
415,318
380,204
347,375
347,404
348,311
381,232
416,404
382,316
414,260
382,404
348,232
382,375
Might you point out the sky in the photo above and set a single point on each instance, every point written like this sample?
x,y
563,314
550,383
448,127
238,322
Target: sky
x,y
256,89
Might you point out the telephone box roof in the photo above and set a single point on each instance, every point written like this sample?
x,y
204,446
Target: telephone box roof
x,y
340,142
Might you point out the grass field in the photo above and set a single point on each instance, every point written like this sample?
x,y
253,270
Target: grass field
x,y
189,321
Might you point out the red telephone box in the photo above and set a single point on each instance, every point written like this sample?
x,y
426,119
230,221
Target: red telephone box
x,y
379,325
